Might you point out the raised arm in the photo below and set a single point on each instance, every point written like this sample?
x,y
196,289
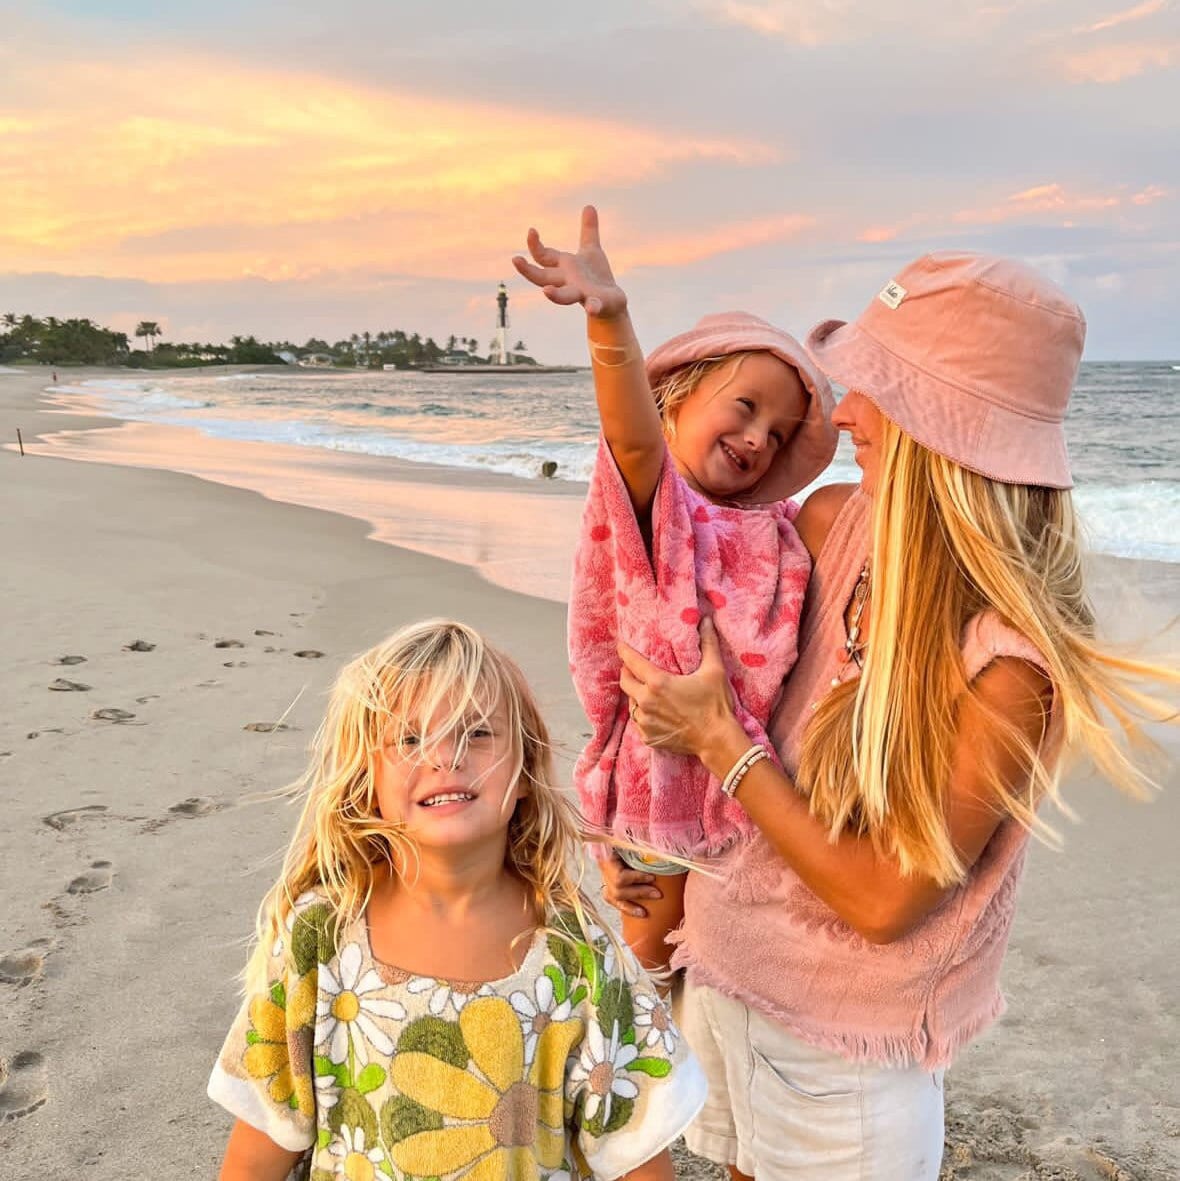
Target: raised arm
x,y
693,715
630,422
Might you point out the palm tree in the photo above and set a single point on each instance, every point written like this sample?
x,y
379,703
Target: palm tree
x,y
150,329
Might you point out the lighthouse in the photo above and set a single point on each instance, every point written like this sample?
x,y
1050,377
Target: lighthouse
x,y
500,354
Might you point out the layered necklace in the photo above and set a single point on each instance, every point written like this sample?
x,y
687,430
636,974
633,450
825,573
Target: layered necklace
x,y
853,648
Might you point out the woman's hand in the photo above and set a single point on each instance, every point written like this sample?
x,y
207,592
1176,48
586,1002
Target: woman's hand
x,y
583,278
690,714
625,888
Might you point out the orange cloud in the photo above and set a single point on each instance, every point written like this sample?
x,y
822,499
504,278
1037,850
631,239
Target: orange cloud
x,y
690,248
1116,63
1139,12
183,168
1056,199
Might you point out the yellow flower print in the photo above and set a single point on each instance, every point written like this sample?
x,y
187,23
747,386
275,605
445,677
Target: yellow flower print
x,y
267,1054
503,1125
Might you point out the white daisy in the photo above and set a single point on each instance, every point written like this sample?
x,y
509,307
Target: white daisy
x,y
356,1163
444,993
599,1071
327,1092
652,1014
349,1003
537,1011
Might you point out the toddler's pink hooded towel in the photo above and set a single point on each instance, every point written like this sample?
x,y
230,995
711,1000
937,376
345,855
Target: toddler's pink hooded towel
x,y
744,566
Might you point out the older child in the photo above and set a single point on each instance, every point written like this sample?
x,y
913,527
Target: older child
x,y
430,994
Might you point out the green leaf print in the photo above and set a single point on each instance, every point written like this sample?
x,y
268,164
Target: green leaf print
x,y
556,975
312,940
565,953
656,1067
322,1175
370,1078
590,969
579,995
615,1004
354,1111
402,1117
325,1067
278,994
439,1038
620,1113
253,1037
323,1139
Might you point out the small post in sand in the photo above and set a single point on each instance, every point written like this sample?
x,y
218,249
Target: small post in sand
x,y
19,441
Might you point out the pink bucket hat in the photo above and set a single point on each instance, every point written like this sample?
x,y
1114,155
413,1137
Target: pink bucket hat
x,y
812,446
973,356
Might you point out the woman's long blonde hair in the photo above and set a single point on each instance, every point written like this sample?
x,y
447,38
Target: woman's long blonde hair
x,y
446,672
947,544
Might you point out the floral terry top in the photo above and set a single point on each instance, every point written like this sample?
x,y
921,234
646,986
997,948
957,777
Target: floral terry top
x,y
568,1069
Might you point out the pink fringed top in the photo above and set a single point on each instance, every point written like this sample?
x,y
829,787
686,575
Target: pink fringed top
x,y
759,934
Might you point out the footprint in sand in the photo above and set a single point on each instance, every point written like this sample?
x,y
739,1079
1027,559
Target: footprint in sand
x,y
265,727
23,1085
61,685
308,654
5,754
139,646
51,730
146,698
98,877
24,966
196,806
70,660
62,820
261,631
234,664
228,644
118,716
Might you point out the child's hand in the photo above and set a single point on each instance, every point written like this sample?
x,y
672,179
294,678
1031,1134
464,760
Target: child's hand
x,y
583,278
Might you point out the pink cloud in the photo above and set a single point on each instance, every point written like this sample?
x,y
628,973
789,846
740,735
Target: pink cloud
x,y
1139,12
1116,63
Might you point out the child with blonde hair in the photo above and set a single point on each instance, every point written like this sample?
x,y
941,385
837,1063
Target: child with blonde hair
x,y
687,518
431,994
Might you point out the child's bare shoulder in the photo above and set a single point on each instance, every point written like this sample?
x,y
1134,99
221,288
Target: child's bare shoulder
x,y
819,511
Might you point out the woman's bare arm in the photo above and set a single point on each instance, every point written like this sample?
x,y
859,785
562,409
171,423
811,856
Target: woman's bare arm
x,y
693,714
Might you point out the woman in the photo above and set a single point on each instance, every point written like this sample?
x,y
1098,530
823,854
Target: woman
x,y
837,962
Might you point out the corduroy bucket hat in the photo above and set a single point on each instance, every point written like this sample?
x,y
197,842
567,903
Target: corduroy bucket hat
x,y
973,356
811,447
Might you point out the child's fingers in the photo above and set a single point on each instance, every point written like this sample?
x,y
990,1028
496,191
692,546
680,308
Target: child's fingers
x,y
561,294
545,255
539,276
588,237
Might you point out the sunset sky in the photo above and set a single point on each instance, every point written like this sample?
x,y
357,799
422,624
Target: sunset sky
x,y
288,169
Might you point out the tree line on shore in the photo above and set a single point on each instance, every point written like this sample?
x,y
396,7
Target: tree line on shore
x,y
51,341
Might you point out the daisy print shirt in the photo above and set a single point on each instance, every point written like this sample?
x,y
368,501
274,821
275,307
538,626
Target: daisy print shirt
x,y
569,1069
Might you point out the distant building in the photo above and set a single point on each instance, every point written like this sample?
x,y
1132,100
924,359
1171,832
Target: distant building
x,y
287,357
317,361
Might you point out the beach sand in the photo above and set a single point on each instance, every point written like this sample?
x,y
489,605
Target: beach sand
x,y
134,858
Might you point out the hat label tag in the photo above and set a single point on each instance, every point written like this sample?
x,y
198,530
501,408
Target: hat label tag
x,y
892,295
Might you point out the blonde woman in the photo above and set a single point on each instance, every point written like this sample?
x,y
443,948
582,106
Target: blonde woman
x,y
430,994
947,661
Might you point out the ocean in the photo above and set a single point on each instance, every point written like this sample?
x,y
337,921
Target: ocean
x,y
1123,429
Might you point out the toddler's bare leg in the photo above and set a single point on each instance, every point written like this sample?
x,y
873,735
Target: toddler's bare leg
x,y
647,936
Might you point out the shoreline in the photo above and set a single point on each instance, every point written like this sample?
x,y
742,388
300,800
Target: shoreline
x,y
137,850
519,534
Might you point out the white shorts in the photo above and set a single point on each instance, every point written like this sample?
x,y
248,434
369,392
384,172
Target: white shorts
x,y
780,1108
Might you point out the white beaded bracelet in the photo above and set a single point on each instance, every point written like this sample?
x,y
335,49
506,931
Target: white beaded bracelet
x,y
738,771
